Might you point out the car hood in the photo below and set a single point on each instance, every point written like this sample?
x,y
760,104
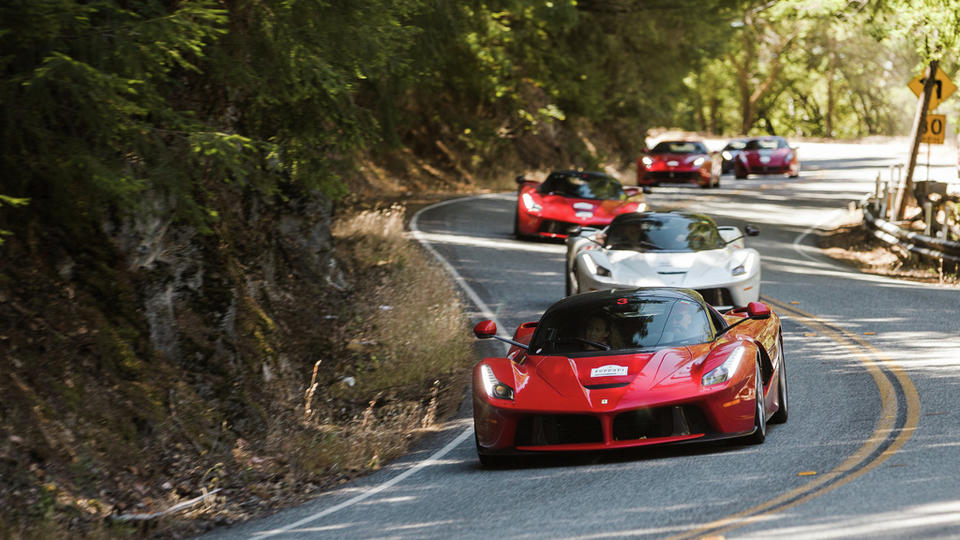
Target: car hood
x,y
682,159
601,381
572,206
693,269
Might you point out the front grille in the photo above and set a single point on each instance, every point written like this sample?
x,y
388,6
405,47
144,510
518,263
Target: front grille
x,y
549,429
675,176
550,226
659,422
717,297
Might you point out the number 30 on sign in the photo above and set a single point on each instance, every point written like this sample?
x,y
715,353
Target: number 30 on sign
x,y
932,132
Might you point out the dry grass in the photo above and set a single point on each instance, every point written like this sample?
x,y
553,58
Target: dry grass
x,y
333,384
413,325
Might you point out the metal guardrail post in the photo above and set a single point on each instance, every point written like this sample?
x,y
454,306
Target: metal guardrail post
x,y
885,201
876,196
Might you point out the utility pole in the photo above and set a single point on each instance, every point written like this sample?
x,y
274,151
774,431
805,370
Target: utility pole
x,y
919,120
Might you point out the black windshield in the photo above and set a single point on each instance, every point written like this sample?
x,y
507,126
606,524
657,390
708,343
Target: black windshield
x,y
583,186
619,324
664,232
766,144
735,145
679,147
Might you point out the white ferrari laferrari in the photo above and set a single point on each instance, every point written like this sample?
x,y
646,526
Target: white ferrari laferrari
x,y
666,249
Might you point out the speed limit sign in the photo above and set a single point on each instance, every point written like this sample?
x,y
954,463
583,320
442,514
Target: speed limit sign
x,y
932,132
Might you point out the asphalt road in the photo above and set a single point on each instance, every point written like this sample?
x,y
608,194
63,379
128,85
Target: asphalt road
x,y
872,447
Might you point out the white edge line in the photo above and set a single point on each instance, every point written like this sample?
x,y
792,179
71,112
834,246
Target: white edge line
x,y
372,491
484,310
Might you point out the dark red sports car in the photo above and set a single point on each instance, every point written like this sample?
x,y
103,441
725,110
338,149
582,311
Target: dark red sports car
x,y
618,369
679,162
571,198
766,155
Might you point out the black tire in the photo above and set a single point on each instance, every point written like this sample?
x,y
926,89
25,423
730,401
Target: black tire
x,y
739,173
516,227
759,416
783,412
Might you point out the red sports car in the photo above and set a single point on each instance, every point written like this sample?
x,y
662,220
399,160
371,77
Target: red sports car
x,y
679,162
568,199
766,155
618,369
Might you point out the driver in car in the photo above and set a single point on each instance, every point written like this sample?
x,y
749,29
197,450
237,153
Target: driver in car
x,y
596,330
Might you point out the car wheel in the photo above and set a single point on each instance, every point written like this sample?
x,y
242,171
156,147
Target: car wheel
x,y
516,226
782,413
760,415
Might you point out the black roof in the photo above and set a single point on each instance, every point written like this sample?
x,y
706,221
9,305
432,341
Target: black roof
x,y
600,297
642,216
581,174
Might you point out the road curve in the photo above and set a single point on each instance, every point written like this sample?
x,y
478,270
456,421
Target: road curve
x,y
871,448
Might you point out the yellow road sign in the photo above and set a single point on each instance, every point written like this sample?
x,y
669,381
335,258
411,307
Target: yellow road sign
x,y
932,132
943,87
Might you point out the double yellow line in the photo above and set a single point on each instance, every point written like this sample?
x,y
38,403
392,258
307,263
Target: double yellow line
x,y
886,439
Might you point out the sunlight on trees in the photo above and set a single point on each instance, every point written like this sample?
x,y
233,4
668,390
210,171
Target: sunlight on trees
x,y
104,101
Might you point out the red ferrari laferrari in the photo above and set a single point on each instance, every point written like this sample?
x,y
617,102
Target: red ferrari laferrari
x,y
571,198
679,162
766,155
617,369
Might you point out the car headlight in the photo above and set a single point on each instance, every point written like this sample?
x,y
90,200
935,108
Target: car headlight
x,y
739,270
646,160
595,268
726,155
723,372
492,386
699,161
641,207
529,203
789,157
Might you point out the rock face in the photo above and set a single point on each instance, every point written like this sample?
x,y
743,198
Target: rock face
x,y
191,283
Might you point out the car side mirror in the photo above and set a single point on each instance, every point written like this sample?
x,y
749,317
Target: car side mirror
x,y
758,310
520,179
647,189
485,329
751,230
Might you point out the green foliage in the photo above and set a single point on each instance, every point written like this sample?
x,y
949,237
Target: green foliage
x,y
104,101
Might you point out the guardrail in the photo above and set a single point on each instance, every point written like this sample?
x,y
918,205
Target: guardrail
x,y
934,243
